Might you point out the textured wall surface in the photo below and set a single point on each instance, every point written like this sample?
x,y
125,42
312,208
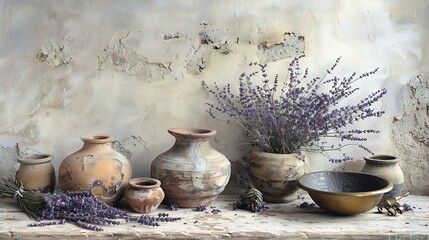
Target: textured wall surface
x,y
132,69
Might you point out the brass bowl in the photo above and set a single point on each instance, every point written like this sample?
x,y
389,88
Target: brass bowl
x,y
345,193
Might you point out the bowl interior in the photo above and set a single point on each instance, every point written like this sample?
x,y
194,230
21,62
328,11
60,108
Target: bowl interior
x,y
342,182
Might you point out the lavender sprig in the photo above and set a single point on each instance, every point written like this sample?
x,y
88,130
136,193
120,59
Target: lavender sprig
x,y
298,114
174,207
200,208
215,210
43,224
80,208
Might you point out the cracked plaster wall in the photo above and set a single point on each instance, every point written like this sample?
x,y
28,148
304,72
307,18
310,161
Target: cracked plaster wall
x,y
133,69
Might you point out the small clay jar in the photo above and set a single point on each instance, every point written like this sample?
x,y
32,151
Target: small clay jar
x,y
144,194
386,166
36,172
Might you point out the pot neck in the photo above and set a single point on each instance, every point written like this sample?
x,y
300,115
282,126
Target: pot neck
x,y
35,158
192,133
382,159
144,183
96,141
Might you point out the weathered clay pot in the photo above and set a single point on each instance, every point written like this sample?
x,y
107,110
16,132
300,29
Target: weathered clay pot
x,y
386,166
144,194
97,168
191,172
276,175
36,172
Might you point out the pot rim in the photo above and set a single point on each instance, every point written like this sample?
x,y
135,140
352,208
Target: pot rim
x,y
381,158
35,158
269,153
383,190
192,133
97,138
152,183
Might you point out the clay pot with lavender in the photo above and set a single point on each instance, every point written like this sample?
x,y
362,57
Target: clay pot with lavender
x,y
97,168
144,194
36,172
276,175
386,166
192,173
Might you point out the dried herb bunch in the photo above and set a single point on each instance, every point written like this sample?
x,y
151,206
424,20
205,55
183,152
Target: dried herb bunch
x,y
299,113
80,208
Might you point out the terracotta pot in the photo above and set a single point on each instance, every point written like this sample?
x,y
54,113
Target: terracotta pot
x,y
144,194
97,168
191,172
275,175
386,166
36,172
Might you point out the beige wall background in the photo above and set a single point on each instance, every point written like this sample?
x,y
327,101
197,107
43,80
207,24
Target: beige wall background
x,y
132,69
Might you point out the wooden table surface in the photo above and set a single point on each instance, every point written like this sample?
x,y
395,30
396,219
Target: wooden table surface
x,y
281,221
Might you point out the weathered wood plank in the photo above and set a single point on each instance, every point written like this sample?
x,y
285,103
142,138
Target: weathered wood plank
x,y
280,221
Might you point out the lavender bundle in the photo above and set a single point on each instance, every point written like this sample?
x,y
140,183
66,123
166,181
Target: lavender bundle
x,y
80,208
298,114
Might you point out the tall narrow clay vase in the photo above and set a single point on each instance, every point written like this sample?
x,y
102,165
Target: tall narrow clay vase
x,y
191,172
276,175
36,172
97,168
386,166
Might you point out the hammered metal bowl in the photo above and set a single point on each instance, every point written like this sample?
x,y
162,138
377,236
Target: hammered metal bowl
x,y
345,193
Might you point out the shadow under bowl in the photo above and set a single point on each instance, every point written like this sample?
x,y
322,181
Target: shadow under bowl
x,y
345,193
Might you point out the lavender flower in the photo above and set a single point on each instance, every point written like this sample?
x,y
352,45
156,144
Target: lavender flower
x,y
298,114
174,207
200,208
215,210
262,208
408,207
86,211
80,208
306,205
43,224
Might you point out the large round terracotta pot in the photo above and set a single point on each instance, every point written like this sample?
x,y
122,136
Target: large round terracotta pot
x,y
386,166
191,172
36,172
276,175
97,168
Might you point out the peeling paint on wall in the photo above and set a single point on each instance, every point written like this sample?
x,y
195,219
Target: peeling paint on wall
x,y
176,35
118,57
291,46
410,133
210,38
129,145
217,38
198,60
56,53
